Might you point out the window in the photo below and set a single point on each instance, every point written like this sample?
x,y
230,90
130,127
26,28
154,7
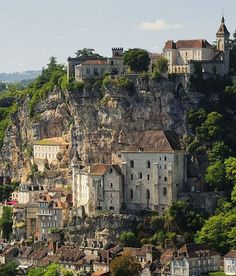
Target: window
x,y
131,163
165,178
160,167
160,158
165,167
164,191
159,177
131,194
140,175
111,185
111,195
165,158
111,170
148,177
147,194
148,164
131,177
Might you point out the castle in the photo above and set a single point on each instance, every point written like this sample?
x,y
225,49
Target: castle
x,y
148,174
183,55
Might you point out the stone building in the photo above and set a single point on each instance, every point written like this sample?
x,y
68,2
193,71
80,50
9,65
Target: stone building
x,y
195,259
183,55
93,68
49,150
97,187
155,170
230,263
28,192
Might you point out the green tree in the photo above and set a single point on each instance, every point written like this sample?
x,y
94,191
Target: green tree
x,y
218,231
230,167
38,271
2,86
215,175
162,65
125,265
6,222
129,239
137,59
214,124
87,53
8,269
219,152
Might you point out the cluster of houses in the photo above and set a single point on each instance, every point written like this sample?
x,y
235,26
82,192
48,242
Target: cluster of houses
x,y
182,57
93,257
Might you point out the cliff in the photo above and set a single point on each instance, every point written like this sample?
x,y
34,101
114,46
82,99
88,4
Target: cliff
x,y
96,120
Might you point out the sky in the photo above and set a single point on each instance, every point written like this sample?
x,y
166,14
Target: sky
x,y
31,31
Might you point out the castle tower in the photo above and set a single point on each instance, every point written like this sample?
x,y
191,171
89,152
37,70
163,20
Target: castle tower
x,y
117,52
222,43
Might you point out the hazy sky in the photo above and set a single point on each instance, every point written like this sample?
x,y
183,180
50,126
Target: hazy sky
x,y
33,30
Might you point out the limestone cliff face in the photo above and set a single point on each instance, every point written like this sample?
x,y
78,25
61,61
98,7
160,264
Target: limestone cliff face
x,y
94,125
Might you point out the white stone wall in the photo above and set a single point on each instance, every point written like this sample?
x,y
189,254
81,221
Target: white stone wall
x,y
153,187
230,266
47,151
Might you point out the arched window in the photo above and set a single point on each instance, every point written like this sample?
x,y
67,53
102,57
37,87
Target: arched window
x,y
165,178
140,175
165,158
148,177
148,194
164,192
131,163
131,194
111,185
148,164
131,177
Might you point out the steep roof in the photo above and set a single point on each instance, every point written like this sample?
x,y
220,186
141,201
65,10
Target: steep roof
x,y
193,250
231,254
53,141
155,141
186,44
222,29
100,169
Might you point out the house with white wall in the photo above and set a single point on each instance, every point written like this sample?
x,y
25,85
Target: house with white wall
x,y
230,263
154,169
183,54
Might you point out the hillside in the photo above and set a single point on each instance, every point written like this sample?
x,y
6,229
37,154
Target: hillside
x,y
19,76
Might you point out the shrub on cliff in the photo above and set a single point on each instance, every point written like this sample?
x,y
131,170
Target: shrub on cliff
x,y
137,59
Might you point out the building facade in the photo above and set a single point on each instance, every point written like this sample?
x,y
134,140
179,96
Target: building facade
x,y
230,263
183,55
154,169
48,150
97,187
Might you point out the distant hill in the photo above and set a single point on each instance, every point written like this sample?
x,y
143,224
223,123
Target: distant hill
x,y
19,76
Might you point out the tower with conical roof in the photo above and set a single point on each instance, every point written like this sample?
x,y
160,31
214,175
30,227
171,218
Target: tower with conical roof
x,y
222,42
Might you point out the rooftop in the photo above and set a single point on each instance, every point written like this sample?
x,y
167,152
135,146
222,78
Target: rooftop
x,y
155,141
192,250
231,254
94,62
53,141
185,44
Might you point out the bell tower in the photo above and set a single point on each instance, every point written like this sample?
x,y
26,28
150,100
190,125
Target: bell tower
x,y
222,43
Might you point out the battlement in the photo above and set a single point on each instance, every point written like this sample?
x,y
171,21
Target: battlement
x,y
118,48
117,51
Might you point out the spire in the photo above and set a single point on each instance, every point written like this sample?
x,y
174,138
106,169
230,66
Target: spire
x,y
222,29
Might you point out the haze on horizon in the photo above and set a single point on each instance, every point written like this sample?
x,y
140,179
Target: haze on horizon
x,y
32,31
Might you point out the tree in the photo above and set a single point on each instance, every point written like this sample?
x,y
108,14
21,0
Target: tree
x,y
8,269
87,53
6,222
137,59
125,265
162,65
2,86
230,167
214,124
129,239
219,152
215,175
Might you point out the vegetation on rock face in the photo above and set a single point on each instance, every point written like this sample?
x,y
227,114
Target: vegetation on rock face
x,y
129,239
137,59
6,222
51,270
125,265
8,269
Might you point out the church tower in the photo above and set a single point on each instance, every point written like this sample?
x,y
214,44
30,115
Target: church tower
x,y
222,41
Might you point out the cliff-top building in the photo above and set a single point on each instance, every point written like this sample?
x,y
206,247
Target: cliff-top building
x,y
184,54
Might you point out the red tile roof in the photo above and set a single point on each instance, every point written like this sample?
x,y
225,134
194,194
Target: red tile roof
x,y
186,44
193,250
231,254
155,141
94,62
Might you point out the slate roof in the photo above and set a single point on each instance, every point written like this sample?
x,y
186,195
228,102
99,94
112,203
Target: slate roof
x,y
155,141
222,29
192,250
187,44
231,254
